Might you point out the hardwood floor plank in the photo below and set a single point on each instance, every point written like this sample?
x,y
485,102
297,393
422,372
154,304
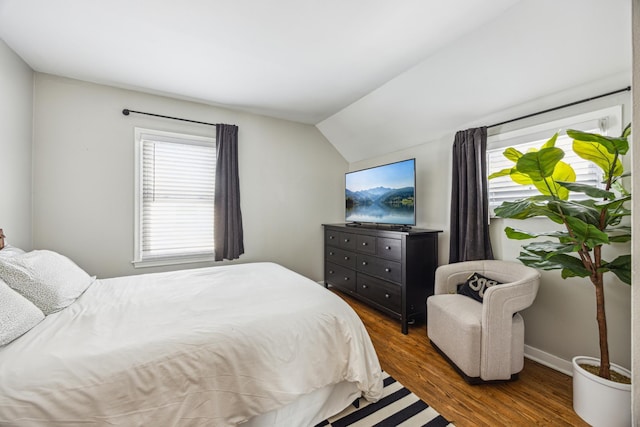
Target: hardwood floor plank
x,y
540,397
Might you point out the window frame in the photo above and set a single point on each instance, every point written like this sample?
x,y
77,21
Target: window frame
x,y
609,120
163,136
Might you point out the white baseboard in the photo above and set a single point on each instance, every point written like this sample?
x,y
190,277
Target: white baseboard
x,y
549,360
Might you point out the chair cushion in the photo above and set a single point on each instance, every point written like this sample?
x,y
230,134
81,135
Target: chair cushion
x,y
454,324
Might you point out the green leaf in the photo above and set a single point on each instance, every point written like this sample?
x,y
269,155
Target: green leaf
x,y
520,178
570,266
599,154
519,209
626,132
549,249
512,154
612,145
514,234
585,233
619,187
549,186
612,204
503,172
621,267
621,229
537,261
527,208
621,238
578,209
589,190
540,164
551,142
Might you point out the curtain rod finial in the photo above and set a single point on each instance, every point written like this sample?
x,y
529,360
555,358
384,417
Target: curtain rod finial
x,y
125,112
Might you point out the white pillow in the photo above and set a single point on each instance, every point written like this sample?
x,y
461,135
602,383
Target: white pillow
x,y
49,280
9,251
17,314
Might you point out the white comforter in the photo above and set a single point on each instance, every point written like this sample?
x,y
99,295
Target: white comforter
x,y
211,346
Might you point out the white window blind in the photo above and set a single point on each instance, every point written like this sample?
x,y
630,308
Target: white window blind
x,y
176,195
501,189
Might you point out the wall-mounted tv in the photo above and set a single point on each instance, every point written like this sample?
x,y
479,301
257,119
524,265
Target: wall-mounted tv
x,y
383,194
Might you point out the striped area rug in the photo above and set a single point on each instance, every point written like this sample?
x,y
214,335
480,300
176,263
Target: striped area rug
x,y
397,407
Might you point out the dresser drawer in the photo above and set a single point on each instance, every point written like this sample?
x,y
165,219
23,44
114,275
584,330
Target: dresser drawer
x,y
331,238
341,240
366,244
340,256
389,248
384,293
339,276
382,268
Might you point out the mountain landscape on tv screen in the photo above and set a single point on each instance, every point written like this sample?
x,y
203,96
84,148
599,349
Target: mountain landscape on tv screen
x,y
392,197
381,204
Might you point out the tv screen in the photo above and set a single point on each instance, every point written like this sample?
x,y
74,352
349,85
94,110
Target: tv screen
x,y
383,194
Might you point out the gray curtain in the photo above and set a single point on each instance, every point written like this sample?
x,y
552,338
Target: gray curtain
x,y
227,227
469,239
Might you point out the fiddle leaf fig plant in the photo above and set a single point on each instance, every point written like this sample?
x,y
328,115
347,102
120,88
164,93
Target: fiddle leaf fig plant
x,y
588,224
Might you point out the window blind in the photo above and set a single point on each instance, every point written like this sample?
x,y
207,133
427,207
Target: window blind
x,y
178,182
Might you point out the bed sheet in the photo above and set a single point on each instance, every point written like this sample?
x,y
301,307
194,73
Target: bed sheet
x,y
209,346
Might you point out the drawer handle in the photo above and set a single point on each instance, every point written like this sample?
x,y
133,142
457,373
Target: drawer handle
x,y
346,279
387,296
388,270
364,243
331,237
364,263
346,240
331,271
364,286
388,248
346,258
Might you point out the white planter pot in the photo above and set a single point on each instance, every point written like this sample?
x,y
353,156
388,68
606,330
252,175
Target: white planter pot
x,y
598,401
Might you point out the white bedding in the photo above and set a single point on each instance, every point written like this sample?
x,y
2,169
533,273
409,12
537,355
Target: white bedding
x,y
211,346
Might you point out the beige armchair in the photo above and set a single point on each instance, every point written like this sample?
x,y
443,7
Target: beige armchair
x,y
484,341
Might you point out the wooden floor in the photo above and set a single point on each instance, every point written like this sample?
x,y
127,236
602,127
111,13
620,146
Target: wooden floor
x,y
540,397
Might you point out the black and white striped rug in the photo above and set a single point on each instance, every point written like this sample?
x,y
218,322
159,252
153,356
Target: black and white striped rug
x,y
397,407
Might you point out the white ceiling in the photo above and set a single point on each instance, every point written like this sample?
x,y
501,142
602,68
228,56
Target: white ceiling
x,y
375,76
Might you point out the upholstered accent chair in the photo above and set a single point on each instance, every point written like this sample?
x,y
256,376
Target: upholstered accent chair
x,y
484,341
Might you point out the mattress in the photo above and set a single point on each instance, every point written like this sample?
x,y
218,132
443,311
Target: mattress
x,y
211,346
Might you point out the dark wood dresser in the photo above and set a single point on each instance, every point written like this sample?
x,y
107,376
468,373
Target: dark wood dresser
x,y
389,269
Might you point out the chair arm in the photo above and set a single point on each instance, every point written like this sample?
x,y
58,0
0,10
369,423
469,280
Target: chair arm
x,y
501,302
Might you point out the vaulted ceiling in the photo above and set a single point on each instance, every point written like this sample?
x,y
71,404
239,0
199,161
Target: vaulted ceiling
x,y
375,76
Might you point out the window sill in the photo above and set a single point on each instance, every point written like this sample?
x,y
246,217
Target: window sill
x,y
158,262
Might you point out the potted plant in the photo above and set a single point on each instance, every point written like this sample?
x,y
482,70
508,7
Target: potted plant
x,y
586,227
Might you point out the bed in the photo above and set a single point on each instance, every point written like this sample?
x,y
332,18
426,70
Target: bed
x,y
248,344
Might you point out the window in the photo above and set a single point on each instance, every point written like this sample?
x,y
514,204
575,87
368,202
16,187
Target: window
x,y
175,181
606,122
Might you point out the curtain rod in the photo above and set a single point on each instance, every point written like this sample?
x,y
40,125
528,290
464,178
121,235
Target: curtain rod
x,y
628,88
126,112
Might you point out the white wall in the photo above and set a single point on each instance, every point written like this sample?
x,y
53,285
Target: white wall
x,y
290,177
16,105
561,323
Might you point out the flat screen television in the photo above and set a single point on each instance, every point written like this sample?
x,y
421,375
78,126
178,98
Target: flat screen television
x,y
383,194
